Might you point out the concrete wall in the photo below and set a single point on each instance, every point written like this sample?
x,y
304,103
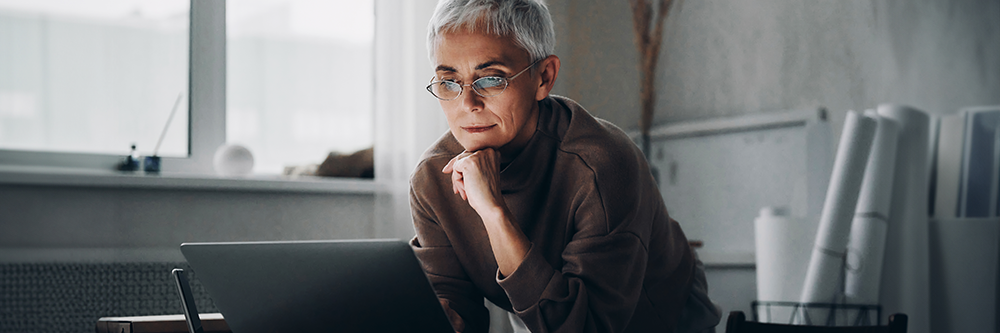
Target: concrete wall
x,y
732,57
729,57
54,217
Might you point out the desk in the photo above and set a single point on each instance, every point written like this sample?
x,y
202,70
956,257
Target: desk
x,y
210,322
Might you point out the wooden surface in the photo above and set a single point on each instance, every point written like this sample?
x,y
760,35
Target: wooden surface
x,y
210,322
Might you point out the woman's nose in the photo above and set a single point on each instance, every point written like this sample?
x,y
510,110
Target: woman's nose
x,y
471,101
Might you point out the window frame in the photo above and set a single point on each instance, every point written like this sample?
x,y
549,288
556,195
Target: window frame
x,y
206,105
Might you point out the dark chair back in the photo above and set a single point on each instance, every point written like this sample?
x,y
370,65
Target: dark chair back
x,y
738,323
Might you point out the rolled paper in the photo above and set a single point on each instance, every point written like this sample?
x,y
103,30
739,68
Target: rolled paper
x,y
949,165
819,150
783,245
866,246
823,276
905,286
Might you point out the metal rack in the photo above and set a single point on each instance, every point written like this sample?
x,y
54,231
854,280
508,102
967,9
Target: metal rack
x,y
804,313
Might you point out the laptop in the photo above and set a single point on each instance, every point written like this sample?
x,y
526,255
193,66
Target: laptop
x,y
318,286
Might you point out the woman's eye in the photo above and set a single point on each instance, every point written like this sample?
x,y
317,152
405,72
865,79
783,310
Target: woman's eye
x,y
489,81
450,85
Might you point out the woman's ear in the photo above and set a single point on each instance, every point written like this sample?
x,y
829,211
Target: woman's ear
x,y
549,70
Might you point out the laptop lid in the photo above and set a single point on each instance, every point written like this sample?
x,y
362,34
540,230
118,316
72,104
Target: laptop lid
x,y
342,286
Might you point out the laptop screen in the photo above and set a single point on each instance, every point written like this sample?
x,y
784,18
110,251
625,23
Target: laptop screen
x,y
342,286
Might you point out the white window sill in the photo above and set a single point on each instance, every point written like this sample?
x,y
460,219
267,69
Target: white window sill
x,y
56,176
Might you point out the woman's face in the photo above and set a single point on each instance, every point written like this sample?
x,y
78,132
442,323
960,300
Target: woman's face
x,y
503,121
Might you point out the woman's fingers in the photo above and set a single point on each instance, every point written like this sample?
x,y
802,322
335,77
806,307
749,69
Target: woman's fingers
x,y
480,166
457,179
456,320
450,167
458,183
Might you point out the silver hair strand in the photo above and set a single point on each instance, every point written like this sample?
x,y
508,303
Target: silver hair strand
x,y
527,21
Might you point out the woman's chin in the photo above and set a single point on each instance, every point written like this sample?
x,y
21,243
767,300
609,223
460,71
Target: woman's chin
x,y
478,145
480,141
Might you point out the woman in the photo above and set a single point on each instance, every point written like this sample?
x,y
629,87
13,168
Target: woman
x,y
534,204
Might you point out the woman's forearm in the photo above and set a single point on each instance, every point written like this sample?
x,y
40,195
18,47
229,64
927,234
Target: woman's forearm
x,y
508,242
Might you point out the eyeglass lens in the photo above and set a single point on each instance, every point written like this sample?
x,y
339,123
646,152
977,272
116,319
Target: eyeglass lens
x,y
485,86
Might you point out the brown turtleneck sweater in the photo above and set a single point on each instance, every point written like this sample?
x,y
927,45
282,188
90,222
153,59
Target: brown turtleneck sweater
x,y
604,257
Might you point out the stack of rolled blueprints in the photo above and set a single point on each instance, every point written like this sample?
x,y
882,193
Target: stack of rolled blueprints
x,y
823,283
874,217
906,277
865,249
783,240
782,249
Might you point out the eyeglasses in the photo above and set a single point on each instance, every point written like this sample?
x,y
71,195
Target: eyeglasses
x,y
487,86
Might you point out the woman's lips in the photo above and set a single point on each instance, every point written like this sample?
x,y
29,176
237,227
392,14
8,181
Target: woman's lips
x,y
478,129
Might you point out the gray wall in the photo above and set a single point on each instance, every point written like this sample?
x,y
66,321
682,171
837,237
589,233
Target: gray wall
x,y
729,57
46,217
733,57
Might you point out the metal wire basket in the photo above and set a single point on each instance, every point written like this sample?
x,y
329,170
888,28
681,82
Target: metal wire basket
x,y
817,314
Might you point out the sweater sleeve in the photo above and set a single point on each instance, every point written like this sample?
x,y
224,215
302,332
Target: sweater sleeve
x,y
599,284
442,267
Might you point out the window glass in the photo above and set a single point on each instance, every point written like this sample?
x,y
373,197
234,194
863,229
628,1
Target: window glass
x,y
299,79
93,76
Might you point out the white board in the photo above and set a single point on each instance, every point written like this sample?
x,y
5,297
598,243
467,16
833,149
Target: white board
x,y
715,175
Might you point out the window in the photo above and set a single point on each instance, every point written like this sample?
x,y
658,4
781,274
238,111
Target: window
x,y
93,76
83,80
299,79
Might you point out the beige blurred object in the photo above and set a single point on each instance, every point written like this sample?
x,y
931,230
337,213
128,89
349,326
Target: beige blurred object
x,y
648,31
301,170
360,164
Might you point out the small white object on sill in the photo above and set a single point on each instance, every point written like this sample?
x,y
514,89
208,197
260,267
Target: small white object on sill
x,y
233,160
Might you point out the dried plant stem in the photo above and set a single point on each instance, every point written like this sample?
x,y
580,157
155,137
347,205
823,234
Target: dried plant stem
x,y
648,39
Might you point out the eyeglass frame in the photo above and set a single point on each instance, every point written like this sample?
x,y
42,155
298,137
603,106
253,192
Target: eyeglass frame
x,y
506,81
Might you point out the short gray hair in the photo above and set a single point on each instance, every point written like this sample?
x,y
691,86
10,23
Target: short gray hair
x,y
527,21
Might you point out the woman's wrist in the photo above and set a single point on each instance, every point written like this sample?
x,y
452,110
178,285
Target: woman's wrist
x,y
494,214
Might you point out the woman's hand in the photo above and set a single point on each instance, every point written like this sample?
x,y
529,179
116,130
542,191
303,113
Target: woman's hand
x,y
456,321
476,177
